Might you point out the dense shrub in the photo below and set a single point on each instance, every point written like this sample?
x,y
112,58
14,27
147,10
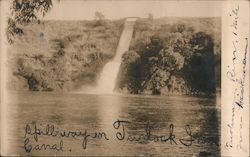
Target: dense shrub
x,y
168,59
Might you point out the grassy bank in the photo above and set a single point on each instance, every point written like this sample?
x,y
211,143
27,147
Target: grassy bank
x,y
61,55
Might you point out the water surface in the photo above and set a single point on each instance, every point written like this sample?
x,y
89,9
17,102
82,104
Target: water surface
x,y
98,113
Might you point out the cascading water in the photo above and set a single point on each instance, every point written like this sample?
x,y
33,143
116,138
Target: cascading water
x,y
107,81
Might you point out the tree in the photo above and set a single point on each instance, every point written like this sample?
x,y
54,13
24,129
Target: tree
x,y
24,12
130,75
150,17
200,69
100,18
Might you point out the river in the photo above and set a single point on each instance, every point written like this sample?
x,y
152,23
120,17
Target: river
x,y
71,111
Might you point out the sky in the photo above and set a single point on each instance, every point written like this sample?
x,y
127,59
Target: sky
x,y
85,10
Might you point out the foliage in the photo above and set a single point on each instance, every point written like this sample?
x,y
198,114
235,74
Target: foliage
x,y
163,58
200,69
168,58
100,19
150,17
99,16
131,72
67,56
24,12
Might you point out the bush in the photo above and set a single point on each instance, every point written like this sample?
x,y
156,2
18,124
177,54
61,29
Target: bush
x,y
168,59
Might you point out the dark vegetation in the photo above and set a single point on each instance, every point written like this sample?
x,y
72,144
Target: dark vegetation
x,y
23,12
173,58
166,56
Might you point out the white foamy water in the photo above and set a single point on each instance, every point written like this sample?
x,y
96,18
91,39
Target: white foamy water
x,y
107,81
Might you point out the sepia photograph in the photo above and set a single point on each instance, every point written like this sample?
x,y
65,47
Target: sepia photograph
x,y
111,78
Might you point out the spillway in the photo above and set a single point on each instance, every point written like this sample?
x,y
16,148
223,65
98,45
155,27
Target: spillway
x,y
107,80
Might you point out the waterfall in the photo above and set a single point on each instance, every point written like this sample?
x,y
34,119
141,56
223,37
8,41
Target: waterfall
x,y
107,81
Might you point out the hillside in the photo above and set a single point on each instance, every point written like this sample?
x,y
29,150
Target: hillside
x,y
61,55
66,55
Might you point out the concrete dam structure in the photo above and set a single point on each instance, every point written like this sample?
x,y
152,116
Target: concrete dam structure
x,y
107,80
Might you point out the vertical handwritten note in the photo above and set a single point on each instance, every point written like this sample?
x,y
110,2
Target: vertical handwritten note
x,y
235,79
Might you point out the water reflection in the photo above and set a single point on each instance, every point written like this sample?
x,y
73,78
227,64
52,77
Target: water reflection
x,y
109,109
98,112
